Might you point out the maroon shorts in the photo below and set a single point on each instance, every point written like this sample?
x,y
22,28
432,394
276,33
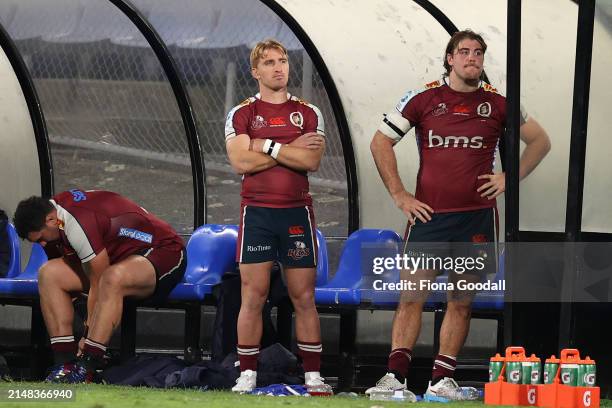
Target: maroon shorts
x,y
169,267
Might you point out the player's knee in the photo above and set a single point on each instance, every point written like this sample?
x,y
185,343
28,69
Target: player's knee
x,y
255,288
49,276
45,277
253,298
253,303
112,279
303,300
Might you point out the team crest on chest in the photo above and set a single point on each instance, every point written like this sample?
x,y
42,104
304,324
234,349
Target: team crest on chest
x,y
258,122
484,109
439,110
297,119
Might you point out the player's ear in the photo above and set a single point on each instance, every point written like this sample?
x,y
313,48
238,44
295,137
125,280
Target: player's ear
x,y
254,73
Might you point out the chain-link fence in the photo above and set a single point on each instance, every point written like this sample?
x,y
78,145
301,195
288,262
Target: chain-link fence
x,y
102,88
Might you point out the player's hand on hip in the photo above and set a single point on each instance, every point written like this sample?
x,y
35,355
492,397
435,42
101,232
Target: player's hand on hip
x,y
310,140
495,185
413,208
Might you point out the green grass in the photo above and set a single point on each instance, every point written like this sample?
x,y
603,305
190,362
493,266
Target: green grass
x,y
110,396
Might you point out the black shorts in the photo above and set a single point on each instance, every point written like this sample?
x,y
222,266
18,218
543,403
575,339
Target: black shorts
x,y
283,234
468,234
169,267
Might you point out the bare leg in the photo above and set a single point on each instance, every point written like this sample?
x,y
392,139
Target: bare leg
x,y
301,283
406,325
455,327
57,281
254,290
456,323
408,315
135,277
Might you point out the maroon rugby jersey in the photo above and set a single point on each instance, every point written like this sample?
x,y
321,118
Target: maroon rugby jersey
x,y
457,135
279,186
91,221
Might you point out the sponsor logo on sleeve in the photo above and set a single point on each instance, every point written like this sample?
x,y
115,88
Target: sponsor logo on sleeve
x,y
78,195
135,234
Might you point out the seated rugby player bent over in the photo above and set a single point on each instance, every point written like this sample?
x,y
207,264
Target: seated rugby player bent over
x,y
111,248
274,139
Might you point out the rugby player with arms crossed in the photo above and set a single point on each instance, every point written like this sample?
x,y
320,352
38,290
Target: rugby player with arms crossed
x,y
274,139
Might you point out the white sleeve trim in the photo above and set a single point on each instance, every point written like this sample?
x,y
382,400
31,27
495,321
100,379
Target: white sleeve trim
x,y
230,131
75,235
320,121
229,124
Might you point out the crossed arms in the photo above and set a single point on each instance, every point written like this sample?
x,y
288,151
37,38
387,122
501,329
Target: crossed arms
x,y
303,154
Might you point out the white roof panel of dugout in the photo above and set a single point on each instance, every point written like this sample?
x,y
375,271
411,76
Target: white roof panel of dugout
x,y
40,18
184,23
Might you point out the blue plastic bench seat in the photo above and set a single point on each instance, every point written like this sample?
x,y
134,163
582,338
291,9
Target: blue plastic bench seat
x,y
14,266
211,252
355,267
25,284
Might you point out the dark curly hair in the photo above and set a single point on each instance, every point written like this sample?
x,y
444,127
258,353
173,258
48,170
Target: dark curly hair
x,y
30,215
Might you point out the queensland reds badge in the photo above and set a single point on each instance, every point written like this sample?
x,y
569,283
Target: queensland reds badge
x,y
299,252
439,110
258,122
484,109
297,119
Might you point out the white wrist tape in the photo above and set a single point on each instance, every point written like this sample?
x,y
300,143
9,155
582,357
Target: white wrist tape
x,y
266,146
275,149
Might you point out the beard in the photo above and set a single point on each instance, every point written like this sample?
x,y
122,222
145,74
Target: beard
x,y
470,77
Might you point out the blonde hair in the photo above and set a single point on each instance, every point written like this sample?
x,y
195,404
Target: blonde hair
x,y
261,47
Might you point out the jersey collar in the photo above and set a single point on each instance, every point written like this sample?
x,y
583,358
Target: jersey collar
x,y
258,96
